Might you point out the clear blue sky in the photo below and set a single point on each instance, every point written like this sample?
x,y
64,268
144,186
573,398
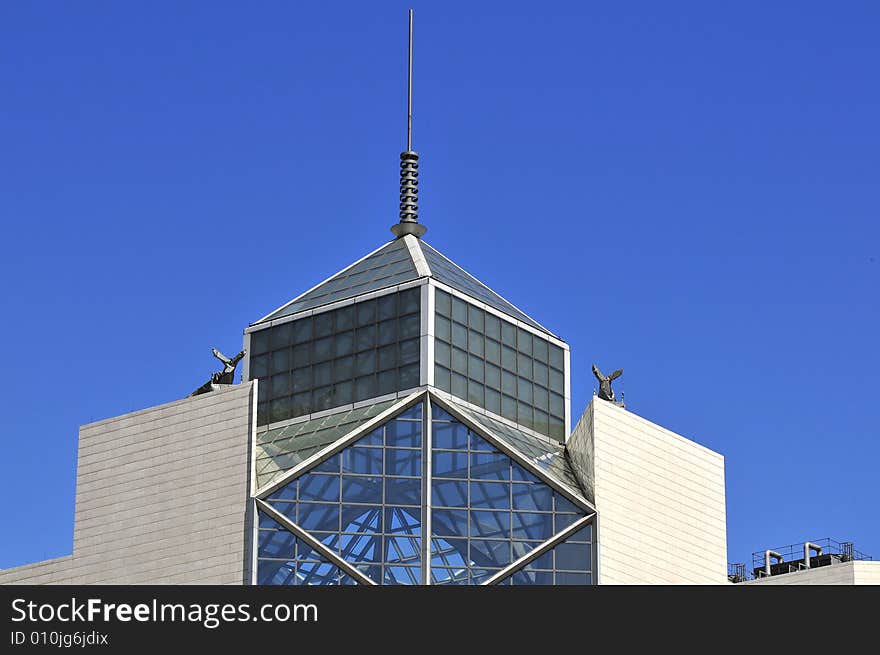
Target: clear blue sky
x,y
686,190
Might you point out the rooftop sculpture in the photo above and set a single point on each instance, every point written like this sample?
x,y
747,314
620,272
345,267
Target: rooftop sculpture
x,y
220,377
605,390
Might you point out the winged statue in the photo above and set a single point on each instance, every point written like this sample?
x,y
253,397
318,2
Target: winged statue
x,y
225,376
605,390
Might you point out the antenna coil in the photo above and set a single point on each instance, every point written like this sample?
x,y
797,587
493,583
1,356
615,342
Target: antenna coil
x,y
409,187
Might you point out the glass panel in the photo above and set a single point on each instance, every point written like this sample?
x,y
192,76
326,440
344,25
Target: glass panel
x,y
362,461
531,497
490,466
449,493
450,464
489,495
532,526
403,462
333,336
450,436
489,524
361,489
404,434
403,491
315,486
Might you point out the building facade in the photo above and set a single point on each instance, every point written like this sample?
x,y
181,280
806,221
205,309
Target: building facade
x,y
399,423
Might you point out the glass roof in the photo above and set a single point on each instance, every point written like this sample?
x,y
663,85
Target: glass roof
x,y
548,455
392,265
388,266
445,271
281,449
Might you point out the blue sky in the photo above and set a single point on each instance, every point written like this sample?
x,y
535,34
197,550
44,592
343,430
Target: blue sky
x,y
684,190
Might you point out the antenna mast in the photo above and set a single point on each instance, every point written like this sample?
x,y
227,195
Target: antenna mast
x,y
409,164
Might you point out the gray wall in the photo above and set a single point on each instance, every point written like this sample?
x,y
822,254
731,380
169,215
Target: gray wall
x,y
661,503
161,497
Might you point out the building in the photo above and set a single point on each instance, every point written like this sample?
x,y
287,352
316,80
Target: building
x,y
399,399
820,562
398,423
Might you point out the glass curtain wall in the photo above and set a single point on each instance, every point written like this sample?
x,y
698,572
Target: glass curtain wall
x,y
337,357
494,364
366,504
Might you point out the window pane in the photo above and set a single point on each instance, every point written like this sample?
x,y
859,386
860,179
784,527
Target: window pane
x,y
322,349
364,461
531,497
475,393
490,466
320,487
361,518
302,330
540,350
361,490
450,464
508,358
459,385
259,342
572,578
344,318
403,462
443,328
493,327
524,342
459,310
280,360
404,434
366,312
387,331
574,557
449,493
366,337
312,516
532,526
442,353
493,401
443,302
531,577
410,300
409,376
409,351
450,435
449,522
410,326
343,343
459,361
459,336
442,378
493,352
403,491
475,368
490,553
475,343
323,323
556,357
490,495
490,524
387,306
508,334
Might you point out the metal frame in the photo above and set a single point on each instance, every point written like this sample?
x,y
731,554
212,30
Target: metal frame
x,y
514,454
338,445
535,553
313,543
427,396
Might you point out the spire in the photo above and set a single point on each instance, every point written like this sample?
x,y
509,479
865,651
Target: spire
x,y
409,165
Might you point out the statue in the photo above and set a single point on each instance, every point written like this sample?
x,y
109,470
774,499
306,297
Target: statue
x,y
221,377
605,390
